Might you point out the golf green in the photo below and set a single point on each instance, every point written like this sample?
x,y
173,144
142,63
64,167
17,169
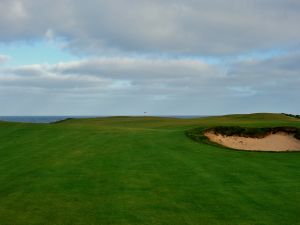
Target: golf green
x,y
143,170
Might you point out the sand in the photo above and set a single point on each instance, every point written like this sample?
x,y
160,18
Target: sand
x,y
273,142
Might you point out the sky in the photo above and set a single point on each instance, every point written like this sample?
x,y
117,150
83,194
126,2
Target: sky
x,y
163,57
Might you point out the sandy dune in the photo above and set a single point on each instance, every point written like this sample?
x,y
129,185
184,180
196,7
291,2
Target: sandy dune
x,y
273,142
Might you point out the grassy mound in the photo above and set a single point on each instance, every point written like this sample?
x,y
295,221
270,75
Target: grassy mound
x,y
197,134
253,132
292,115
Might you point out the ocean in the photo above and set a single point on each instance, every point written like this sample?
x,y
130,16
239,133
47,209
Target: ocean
x,y
51,119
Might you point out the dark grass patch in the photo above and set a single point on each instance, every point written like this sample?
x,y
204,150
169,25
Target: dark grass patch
x,y
292,115
197,134
61,121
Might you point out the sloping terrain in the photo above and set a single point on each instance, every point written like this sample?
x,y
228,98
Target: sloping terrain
x,y
143,170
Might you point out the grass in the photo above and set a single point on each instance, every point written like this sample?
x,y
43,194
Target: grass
x,y
143,170
253,132
291,115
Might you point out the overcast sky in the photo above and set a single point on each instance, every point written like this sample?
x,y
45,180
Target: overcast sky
x,y
164,57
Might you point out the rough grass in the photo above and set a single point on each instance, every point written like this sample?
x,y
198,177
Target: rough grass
x,y
253,132
143,171
292,115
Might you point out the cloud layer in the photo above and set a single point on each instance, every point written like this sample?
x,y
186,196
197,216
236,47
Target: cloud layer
x,y
159,85
163,57
162,27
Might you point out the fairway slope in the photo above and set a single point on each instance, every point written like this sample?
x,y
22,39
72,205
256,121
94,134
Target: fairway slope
x,y
143,171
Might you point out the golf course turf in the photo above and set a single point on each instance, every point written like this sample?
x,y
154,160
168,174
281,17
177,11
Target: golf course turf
x,y
143,170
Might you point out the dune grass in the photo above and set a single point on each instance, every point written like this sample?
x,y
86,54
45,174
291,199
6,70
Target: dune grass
x,y
143,170
252,132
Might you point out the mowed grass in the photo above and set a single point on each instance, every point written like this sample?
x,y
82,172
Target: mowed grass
x,y
143,170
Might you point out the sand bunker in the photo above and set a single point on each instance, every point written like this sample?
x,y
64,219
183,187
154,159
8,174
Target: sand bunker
x,y
273,142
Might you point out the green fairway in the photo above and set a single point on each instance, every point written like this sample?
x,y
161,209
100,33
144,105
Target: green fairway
x,y
143,170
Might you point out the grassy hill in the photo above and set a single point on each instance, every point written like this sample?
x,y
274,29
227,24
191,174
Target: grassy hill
x,y
143,170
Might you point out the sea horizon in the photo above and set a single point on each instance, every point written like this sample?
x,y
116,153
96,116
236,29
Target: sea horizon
x,y
52,119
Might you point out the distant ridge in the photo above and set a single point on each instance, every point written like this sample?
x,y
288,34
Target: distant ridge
x,y
59,119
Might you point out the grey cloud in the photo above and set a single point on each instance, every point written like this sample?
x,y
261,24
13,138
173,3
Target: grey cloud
x,y
113,76
278,76
163,27
4,58
139,69
160,86
41,77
